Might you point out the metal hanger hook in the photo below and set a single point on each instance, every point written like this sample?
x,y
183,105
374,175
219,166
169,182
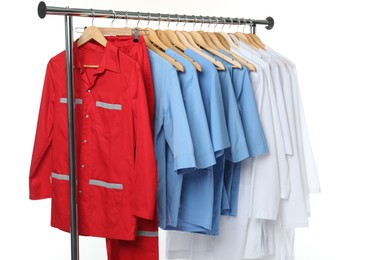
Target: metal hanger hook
x,y
239,23
196,21
139,18
112,22
245,24
93,16
127,19
231,22
201,25
208,27
224,23
216,24
178,18
159,20
169,20
148,20
185,21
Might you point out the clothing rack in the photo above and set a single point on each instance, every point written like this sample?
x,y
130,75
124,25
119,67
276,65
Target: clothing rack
x,y
68,13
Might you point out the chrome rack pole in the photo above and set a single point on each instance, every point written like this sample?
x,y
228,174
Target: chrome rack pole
x,y
44,10
74,238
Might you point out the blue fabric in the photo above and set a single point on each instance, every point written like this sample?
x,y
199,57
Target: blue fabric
x,y
210,88
173,143
196,197
196,115
198,191
253,129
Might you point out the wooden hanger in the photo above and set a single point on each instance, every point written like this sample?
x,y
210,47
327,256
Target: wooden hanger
x,y
189,39
153,37
201,42
92,33
183,38
228,40
241,36
173,38
257,40
219,45
208,40
175,63
222,40
163,37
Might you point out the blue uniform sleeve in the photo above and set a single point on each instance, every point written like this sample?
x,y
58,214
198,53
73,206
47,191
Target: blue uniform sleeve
x,y
176,129
196,115
239,148
253,129
254,133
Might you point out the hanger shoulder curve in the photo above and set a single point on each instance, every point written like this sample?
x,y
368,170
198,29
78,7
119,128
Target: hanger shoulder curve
x,y
92,33
175,63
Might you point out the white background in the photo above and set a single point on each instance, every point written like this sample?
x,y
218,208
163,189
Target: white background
x,y
342,52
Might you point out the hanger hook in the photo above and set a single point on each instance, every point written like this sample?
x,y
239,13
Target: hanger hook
x,y
224,23
208,27
185,21
245,24
231,22
139,19
93,15
216,23
178,18
127,19
196,21
169,20
159,20
148,20
239,23
201,25
112,22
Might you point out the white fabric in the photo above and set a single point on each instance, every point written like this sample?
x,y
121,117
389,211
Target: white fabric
x,y
311,170
274,189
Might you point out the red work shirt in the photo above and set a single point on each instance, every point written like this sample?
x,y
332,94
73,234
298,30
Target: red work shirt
x,y
116,168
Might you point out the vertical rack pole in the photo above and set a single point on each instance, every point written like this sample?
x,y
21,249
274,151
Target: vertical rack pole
x,y
253,28
71,137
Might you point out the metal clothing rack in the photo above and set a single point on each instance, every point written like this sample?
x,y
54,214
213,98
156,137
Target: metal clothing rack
x,y
68,13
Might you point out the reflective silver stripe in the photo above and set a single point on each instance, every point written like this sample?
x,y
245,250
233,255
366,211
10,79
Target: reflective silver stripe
x,y
107,185
78,101
147,233
60,176
108,105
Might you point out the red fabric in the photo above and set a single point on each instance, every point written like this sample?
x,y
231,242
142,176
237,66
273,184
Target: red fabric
x,y
138,52
144,248
116,169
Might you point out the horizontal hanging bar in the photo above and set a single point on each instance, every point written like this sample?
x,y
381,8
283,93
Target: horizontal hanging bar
x,y
44,10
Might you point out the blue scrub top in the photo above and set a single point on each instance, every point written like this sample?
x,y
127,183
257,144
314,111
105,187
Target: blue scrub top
x,y
173,143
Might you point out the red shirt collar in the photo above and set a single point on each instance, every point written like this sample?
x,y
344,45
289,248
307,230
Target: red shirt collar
x,y
109,61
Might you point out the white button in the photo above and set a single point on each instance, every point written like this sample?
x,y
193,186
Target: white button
x,y
89,90
80,191
82,166
86,116
85,141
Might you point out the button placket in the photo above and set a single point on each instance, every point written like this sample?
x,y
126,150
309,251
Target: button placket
x,y
85,117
